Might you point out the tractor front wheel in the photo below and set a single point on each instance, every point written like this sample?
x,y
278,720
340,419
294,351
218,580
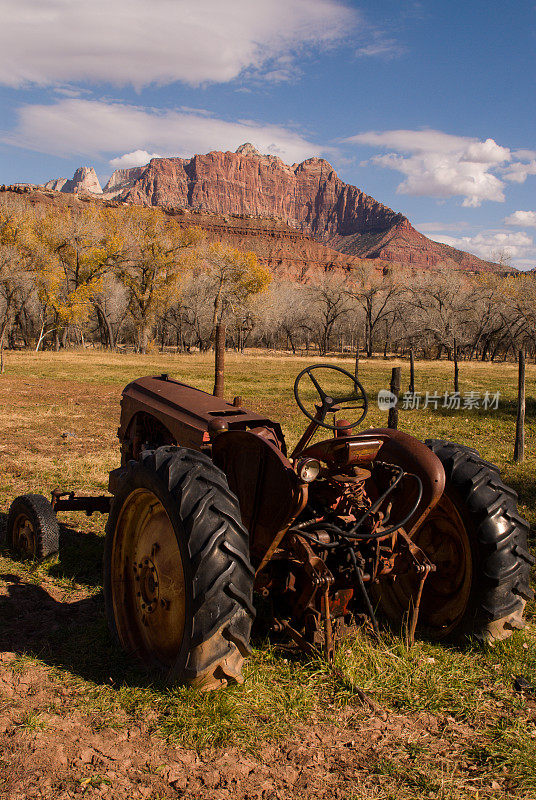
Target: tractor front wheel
x,y
478,542
177,576
32,527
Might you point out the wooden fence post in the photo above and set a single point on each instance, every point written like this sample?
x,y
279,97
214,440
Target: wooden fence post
x,y
456,370
392,421
411,371
519,447
219,360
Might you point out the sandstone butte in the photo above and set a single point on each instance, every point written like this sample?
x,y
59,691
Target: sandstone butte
x,y
299,219
308,197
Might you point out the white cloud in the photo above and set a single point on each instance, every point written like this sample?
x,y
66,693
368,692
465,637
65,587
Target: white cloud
x,y
488,244
527,155
379,45
519,172
525,219
438,164
139,42
97,129
138,158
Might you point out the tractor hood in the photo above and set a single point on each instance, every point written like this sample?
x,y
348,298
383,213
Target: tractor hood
x,y
185,411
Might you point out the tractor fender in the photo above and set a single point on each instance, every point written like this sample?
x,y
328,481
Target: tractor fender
x,y
268,489
394,447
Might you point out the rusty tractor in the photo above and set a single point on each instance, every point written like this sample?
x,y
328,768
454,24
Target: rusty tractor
x,y
208,508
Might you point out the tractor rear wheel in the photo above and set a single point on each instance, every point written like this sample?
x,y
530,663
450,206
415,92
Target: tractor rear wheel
x,y
478,542
177,577
32,527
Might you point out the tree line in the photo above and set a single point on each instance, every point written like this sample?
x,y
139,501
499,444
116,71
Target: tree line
x,y
133,277
109,275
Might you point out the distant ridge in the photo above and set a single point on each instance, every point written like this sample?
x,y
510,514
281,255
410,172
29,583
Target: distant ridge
x,y
308,196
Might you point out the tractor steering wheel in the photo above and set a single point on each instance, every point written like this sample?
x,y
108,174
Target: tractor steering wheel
x,y
356,396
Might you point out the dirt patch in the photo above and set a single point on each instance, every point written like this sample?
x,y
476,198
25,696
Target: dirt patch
x,y
52,748
58,753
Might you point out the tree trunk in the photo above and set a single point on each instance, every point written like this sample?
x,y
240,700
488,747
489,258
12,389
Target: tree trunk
x,y
519,447
219,361
143,341
104,324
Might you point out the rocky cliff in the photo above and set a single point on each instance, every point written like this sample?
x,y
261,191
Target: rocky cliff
x,y
122,179
308,196
84,180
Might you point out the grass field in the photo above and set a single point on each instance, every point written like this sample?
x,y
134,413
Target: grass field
x,y
472,735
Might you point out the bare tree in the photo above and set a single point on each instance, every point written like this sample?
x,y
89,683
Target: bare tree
x,y
377,294
329,302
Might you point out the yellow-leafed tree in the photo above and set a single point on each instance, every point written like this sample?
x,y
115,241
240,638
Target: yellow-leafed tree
x,y
15,283
74,252
157,255
234,277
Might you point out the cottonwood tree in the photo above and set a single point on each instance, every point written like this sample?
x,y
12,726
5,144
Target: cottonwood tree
x,y
284,317
330,301
440,301
15,279
157,254
377,293
231,277
75,252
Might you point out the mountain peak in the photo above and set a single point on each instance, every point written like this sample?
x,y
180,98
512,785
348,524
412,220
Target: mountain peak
x,y
247,149
308,196
84,180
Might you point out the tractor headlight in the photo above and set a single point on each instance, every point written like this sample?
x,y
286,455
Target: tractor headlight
x,y
308,469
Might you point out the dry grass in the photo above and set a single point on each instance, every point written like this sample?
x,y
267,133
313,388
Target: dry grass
x,y
491,735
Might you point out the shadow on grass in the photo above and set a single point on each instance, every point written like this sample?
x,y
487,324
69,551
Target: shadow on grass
x,y
506,411
70,635
79,557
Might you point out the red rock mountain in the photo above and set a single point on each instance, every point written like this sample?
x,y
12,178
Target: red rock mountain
x,y
309,197
84,180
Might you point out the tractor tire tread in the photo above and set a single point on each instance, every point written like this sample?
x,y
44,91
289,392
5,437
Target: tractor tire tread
x,y
221,572
44,521
503,559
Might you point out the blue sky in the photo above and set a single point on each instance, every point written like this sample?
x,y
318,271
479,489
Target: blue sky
x,y
428,106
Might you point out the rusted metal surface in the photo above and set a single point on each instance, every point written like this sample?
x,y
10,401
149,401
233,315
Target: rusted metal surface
x,y
359,449
69,501
147,581
445,594
417,607
183,412
392,446
267,487
24,540
328,628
